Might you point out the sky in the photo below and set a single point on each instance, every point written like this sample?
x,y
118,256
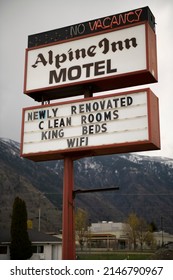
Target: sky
x,y
21,18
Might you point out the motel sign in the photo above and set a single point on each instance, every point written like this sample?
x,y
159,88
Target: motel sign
x,y
104,54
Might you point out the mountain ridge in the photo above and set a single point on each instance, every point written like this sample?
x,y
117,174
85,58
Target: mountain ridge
x,y
145,187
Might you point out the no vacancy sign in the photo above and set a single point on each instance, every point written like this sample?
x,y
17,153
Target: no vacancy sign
x,y
116,123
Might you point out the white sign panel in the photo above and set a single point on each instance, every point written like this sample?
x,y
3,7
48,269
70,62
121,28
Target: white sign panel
x,y
87,59
89,124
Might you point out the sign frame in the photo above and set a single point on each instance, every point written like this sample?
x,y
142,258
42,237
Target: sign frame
x,y
147,75
153,142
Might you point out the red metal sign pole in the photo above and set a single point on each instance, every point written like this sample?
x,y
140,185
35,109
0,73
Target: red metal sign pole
x,y
68,241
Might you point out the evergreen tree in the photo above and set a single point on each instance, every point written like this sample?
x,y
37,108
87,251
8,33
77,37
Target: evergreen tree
x,y
20,248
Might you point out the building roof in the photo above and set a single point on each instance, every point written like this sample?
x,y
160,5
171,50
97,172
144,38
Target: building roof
x,y
34,235
107,227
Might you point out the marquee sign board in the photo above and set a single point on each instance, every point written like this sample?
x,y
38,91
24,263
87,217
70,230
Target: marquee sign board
x,y
93,26
124,122
109,60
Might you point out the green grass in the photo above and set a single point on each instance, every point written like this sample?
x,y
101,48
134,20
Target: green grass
x,y
114,256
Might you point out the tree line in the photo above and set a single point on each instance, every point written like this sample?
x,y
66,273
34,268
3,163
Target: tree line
x,y
136,229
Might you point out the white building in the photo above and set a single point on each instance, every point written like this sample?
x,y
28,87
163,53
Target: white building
x,y
162,238
109,235
45,246
113,236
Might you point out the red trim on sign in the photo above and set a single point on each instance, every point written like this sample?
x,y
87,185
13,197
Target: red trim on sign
x,y
25,71
153,119
152,143
22,133
152,52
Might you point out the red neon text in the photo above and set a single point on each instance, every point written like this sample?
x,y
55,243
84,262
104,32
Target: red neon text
x,y
116,20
